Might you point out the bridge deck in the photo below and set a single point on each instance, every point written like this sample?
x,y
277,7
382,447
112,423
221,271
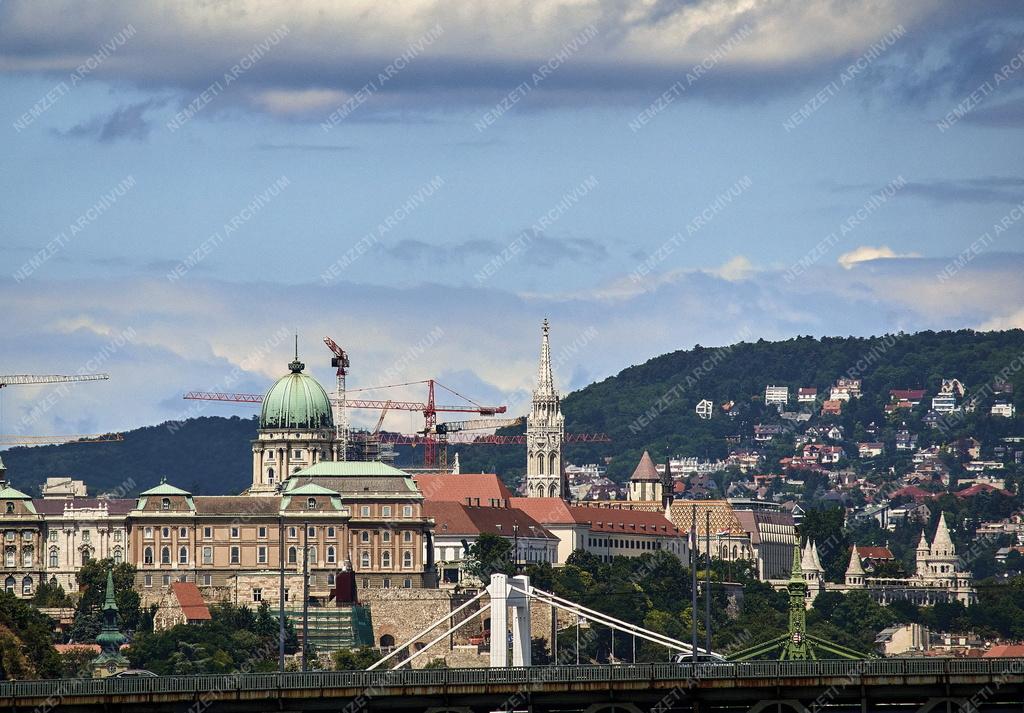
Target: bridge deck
x,y
810,685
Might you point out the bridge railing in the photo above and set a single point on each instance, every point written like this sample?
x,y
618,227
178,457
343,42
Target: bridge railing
x,y
213,685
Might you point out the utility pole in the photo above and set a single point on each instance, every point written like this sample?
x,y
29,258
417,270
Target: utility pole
x,y
693,572
707,580
280,594
305,594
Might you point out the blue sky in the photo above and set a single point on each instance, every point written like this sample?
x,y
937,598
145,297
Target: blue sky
x,y
555,198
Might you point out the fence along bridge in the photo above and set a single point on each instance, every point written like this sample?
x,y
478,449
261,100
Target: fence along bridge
x,y
870,686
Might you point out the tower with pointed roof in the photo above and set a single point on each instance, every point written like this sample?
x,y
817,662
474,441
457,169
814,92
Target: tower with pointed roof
x,y
110,638
855,570
645,484
545,432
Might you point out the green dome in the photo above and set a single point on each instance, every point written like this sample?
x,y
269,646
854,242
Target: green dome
x,y
296,401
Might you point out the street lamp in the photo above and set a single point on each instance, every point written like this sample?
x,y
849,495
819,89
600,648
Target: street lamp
x,y
515,548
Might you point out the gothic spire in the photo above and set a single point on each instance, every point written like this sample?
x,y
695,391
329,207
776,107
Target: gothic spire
x,y
855,568
545,381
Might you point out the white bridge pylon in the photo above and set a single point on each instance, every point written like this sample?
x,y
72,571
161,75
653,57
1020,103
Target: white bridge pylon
x,y
515,594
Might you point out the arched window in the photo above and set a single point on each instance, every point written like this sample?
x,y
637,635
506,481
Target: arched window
x,y
165,555
540,464
26,585
552,490
270,475
553,464
147,556
364,560
364,536
407,559
118,555
182,555
86,554
311,553
311,503
54,557
165,504
330,553
293,555
387,641
9,584
26,557
385,560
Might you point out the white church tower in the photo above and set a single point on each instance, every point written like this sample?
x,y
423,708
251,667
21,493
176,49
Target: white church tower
x,y
545,431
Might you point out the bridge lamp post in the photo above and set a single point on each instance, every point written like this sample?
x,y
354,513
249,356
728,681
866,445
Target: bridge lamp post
x,y
515,548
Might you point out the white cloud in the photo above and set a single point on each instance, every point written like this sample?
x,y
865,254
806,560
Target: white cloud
x,y
734,269
866,253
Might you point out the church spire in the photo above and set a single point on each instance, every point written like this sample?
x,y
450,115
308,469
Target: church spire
x,y
545,381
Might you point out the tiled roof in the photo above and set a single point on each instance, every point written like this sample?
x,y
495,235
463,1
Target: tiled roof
x,y
869,552
453,518
645,470
236,505
356,485
1004,651
723,517
547,511
191,601
907,394
487,487
351,468
807,391
979,488
55,506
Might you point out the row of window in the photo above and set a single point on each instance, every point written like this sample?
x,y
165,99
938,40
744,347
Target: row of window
x,y
623,544
262,532
206,580
26,535
261,556
26,585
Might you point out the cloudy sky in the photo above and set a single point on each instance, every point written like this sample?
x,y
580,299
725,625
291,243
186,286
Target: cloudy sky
x,y
187,184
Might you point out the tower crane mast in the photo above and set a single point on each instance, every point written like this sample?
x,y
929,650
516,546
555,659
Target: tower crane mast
x,y
341,362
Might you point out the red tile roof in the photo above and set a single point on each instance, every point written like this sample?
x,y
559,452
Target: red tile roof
x,y
1004,651
555,511
191,601
906,394
914,492
67,648
870,552
807,391
645,470
485,487
459,519
979,488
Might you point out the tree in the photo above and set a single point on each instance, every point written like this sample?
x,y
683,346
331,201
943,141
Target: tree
x,y
26,641
490,554
355,659
51,595
92,581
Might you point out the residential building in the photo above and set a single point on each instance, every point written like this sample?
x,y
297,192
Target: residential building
x,y
807,395
457,525
776,395
831,407
870,450
1004,409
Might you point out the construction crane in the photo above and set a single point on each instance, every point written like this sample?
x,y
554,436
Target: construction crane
x,y
30,379
429,409
16,440
441,430
341,362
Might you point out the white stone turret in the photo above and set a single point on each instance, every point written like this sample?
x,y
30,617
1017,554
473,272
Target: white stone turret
x,y
855,570
545,432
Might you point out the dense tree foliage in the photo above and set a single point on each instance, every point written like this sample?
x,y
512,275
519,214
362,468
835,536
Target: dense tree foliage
x,y
26,641
207,456
92,585
490,554
651,406
235,639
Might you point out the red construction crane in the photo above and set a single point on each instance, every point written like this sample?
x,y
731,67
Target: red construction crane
x,y
430,409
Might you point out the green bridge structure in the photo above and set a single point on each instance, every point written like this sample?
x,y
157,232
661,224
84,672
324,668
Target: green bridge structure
x,y
829,686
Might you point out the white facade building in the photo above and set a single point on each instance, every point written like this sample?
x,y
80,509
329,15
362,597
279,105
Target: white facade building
x,y
776,395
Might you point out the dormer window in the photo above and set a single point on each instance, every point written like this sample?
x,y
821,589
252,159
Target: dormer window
x,y
9,508
165,504
311,503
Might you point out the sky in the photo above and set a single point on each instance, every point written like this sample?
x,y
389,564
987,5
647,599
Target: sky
x,y
187,185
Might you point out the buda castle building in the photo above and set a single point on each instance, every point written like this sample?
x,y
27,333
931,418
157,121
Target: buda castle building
x,y
306,508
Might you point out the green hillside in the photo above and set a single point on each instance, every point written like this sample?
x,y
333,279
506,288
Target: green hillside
x,y
646,406
208,456
652,405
